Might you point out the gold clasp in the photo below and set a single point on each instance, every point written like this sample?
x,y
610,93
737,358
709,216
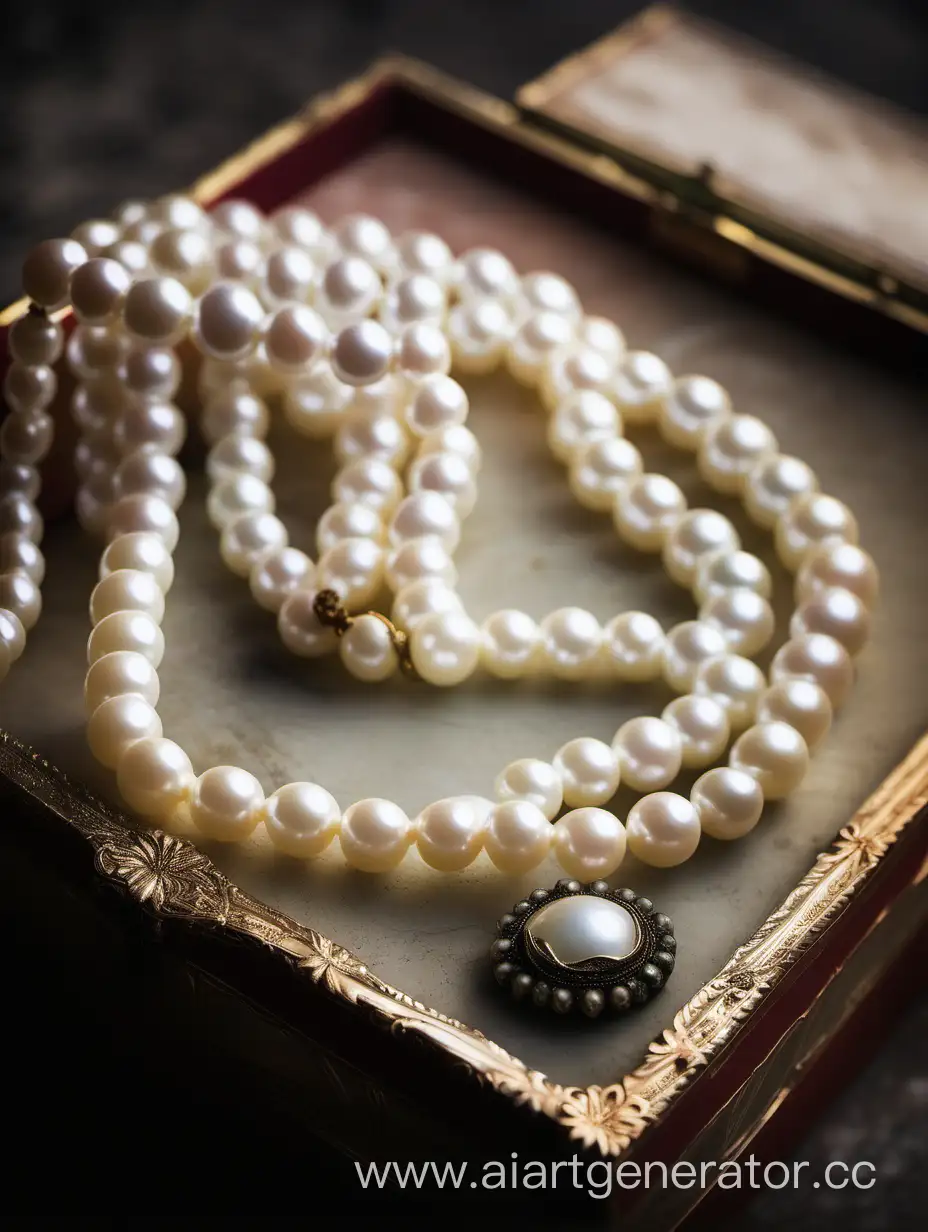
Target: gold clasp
x,y
331,612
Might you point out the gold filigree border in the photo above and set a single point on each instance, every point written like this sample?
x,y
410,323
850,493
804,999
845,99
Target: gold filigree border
x,y
172,878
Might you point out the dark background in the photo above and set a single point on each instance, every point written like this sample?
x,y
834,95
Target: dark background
x,y
104,100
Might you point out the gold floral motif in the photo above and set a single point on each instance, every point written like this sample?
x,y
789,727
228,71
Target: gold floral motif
x,y
607,1118
331,964
166,874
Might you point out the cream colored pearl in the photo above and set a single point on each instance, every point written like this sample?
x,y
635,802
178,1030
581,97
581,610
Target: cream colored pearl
x,y
423,351
301,819
186,255
416,297
375,835
702,725
744,618
447,474
290,276
419,559
127,630
486,273
837,612
583,417
178,211
646,509
692,406
350,288
445,648
27,436
362,353
724,571
729,802
420,252
295,337
641,383
731,448
117,723
479,331
773,753
226,803
769,487
518,836
589,771
35,339
571,641
420,599
546,292
589,843
12,634
697,534
380,398
28,389
362,235
95,455
98,289
802,704
123,671
572,369
315,405
633,646
277,573
241,261
510,644
240,219
158,310
531,779
687,646
238,494
369,481
17,551
381,437
449,833
19,515
355,521
149,472
16,479
97,404
601,335
48,268
810,520
154,776
152,373
300,629
650,753
663,829
296,225
838,564
367,649
96,234
735,683
150,424
247,538
425,513
126,590
96,352
229,318
438,403
147,513
818,657
93,501
132,255
536,339
354,569
454,438
237,454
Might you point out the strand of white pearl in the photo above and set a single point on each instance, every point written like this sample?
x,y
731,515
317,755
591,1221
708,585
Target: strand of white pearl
x,y
426,842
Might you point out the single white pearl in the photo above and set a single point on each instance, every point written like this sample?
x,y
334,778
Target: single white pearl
x,y
697,534
375,835
589,843
16,479
98,351
479,331
226,803
362,437
416,297
439,402
367,649
702,725
123,671
571,641
837,612
180,211
571,369
536,339
241,261
729,802
35,338
447,474
237,454
127,590
21,596
126,630
772,483
529,778
186,255
300,629
418,559
18,514
315,405
238,494
350,288
422,598
362,353
158,310
650,753
98,289
294,224
152,373
362,235
633,646
17,551
640,385
290,276
731,448
735,683
646,509
744,618
139,552
773,753
510,644
146,471
601,469
27,436
96,234
453,438
154,776
12,634
369,481
486,273
600,334
810,520
583,417
726,570
423,351
356,521
589,771
425,513
155,424
354,569
445,648
29,388
132,255
119,722
449,833
518,836
248,537
95,455
692,406
838,564
421,252
97,404
277,573
818,657
802,704
229,319
301,819
546,292
131,212
48,268
687,646
295,337
234,409
241,220
663,829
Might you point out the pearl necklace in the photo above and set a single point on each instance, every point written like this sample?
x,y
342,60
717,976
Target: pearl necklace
x,y
356,332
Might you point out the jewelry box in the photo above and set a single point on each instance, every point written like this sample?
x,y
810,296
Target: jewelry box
x,y
357,1011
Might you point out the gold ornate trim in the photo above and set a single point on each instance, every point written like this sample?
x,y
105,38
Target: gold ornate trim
x,y
172,878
